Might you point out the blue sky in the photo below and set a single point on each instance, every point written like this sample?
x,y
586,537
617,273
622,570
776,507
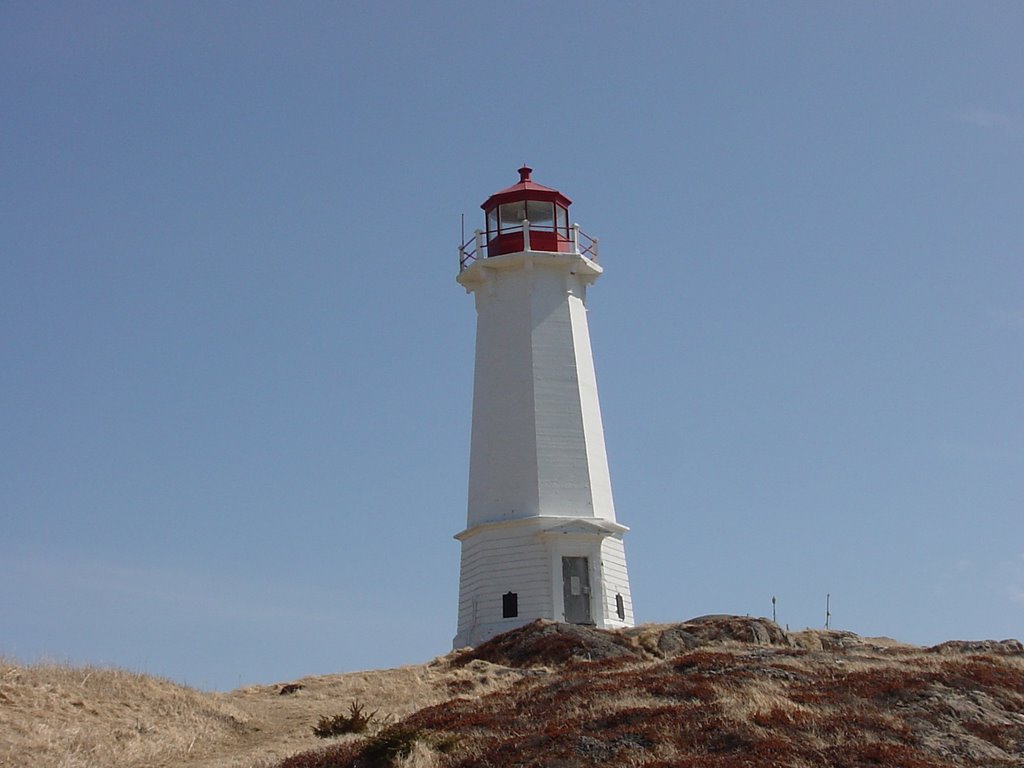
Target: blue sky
x,y
236,370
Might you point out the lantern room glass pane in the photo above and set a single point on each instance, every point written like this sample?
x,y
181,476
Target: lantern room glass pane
x,y
512,215
492,223
541,215
562,220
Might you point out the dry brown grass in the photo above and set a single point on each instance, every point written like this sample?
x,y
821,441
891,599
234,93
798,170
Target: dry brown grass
x,y
86,717
58,716
826,698
693,694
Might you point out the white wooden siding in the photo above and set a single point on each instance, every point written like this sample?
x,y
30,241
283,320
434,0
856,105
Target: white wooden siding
x,y
537,456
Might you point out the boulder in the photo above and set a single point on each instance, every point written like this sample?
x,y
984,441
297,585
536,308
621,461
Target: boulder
x,y
740,629
979,646
549,643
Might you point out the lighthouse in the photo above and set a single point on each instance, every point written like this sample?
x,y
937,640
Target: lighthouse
x,y
541,539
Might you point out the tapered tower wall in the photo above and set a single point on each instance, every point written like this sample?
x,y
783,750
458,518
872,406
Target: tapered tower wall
x,y
537,441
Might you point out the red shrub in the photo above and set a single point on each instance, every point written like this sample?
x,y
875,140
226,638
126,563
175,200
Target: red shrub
x,y
336,756
878,753
1006,736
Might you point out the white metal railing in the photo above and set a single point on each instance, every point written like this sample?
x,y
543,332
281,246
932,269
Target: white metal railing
x,y
476,246
585,245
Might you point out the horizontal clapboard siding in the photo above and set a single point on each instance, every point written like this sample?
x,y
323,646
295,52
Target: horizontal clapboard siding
x,y
495,562
616,581
519,558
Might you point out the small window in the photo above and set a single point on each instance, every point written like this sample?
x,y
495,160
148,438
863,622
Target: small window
x,y
509,605
541,215
620,606
492,223
512,215
562,220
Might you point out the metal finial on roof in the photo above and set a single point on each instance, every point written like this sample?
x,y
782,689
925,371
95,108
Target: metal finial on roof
x,y
524,173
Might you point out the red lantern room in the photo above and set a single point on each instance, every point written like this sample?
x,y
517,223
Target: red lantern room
x,y
527,217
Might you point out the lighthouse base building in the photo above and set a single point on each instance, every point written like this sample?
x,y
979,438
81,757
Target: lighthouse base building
x,y
541,541
564,569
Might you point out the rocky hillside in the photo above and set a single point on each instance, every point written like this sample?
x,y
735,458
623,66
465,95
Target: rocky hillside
x,y
719,691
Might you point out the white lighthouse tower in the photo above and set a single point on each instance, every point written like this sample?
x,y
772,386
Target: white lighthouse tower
x,y
541,540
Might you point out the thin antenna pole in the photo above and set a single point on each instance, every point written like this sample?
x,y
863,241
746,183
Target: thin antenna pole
x,y
828,613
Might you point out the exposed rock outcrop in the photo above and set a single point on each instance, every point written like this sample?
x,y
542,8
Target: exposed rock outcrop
x,y
723,692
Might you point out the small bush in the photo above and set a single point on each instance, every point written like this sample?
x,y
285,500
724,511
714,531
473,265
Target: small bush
x,y
356,721
446,745
383,748
336,756
456,687
705,662
777,717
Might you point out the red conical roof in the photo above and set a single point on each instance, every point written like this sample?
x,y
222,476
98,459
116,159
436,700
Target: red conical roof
x,y
526,189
